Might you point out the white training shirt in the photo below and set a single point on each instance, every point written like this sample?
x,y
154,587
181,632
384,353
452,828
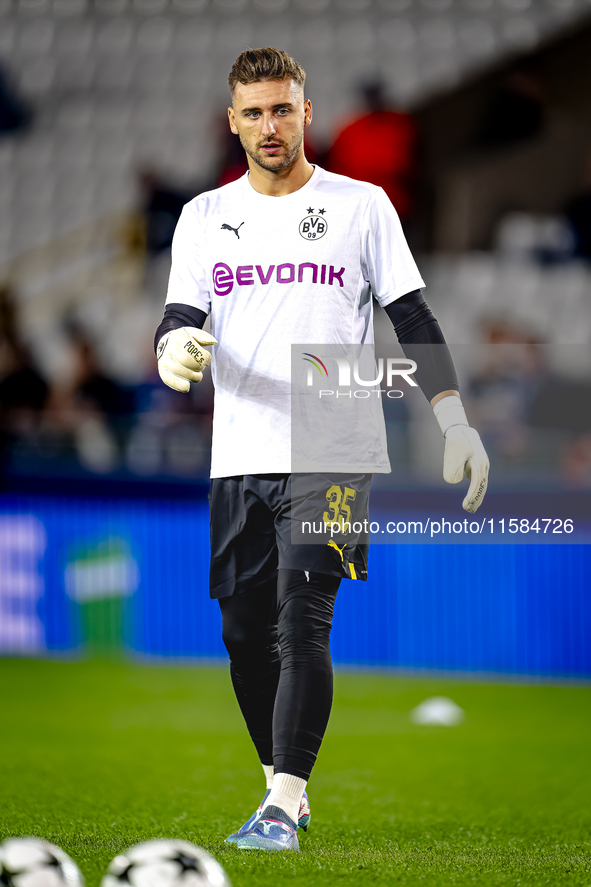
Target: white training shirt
x,y
277,271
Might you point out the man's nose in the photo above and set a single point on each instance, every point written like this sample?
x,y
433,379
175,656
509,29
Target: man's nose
x,y
268,126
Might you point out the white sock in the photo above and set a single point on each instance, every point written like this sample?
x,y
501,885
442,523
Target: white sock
x,y
287,794
268,770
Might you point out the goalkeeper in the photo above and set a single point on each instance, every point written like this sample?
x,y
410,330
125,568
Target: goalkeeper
x,y
289,254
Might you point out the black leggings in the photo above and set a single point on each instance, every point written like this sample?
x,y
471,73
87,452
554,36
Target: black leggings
x,y
278,639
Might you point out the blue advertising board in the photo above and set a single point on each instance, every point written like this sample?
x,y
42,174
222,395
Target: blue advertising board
x,y
84,574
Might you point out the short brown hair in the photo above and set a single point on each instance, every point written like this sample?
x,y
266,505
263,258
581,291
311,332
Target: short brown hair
x,y
253,65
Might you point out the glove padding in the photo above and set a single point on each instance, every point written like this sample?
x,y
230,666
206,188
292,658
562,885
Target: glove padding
x,y
465,456
181,358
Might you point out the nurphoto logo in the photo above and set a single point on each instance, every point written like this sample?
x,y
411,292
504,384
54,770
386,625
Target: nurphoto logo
x,y
388,370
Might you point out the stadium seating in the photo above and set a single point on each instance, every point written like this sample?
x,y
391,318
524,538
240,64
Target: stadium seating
x,y
118,83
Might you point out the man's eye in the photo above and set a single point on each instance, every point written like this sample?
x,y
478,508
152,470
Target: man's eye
x,y
282,111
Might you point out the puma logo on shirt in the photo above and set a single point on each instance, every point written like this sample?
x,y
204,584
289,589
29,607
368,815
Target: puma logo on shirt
x,y
235,230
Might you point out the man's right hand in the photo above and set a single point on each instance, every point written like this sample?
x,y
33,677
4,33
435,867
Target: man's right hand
x,y
181,358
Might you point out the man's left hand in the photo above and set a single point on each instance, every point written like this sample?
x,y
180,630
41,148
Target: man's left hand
x,y
465,456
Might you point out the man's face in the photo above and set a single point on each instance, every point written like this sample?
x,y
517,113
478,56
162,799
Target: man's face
x,y
269,117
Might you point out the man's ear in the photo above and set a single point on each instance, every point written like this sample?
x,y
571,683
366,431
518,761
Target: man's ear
x,y
231,120
308,112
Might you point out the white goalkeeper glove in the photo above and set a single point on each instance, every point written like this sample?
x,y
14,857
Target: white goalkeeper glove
x,y
181,358
464,453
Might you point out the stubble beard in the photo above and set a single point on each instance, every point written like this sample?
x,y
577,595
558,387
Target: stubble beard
x,y
275,164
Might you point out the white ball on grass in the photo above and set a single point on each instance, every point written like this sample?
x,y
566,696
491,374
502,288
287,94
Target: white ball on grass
x,y
165,863
34,862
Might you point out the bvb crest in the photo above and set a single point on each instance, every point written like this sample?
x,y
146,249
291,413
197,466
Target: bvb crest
x,y
313,227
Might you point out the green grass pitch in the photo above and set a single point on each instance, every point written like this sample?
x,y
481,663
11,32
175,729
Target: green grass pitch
x,y
97,756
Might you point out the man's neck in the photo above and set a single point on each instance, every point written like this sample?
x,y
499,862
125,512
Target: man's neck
x,y
278,184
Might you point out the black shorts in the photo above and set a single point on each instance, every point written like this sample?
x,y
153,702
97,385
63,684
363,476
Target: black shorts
x,y
264,522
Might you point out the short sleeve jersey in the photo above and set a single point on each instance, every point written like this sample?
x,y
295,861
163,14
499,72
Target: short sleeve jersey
x,y
277,271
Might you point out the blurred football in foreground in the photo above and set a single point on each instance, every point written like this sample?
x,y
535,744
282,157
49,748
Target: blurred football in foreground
x,y
165,863
33,862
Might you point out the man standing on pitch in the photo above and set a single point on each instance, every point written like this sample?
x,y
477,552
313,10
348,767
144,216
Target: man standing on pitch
x,y
288,254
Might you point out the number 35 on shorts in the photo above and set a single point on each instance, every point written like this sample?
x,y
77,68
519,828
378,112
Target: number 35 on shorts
x,y
339,510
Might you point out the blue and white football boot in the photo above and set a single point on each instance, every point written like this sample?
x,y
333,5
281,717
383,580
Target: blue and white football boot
x,y
274,830
303,818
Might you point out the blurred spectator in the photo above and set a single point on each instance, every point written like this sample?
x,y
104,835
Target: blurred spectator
x,y
15,115
90,420
23,391
546,238
578,213
516,113
528,413
512,374
92,411
576,462
161,206
379,147
90,388
172,431
563,406
232,161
